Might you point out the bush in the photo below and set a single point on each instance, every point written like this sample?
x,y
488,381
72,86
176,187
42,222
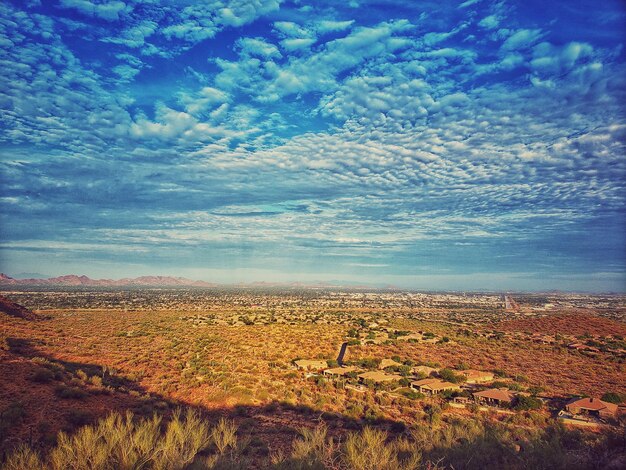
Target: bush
x,y
312,449
42,375
612,397
23,458
524,403
63,391
450,376
368,451
78,417
369,363
224,435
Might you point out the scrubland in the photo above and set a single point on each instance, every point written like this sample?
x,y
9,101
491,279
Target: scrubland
x,y
99,378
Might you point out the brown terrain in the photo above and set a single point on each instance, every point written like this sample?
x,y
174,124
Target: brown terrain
x,y
235,358
573,323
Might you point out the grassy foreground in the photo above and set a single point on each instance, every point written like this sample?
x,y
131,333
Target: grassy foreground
x,y
186,441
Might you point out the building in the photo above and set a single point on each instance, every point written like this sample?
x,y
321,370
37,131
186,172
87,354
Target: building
x,y
433,386
495,397
379,376
474,376
337,372
311,364
592,408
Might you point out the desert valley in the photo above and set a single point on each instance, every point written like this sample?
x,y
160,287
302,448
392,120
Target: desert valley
x,y
304,376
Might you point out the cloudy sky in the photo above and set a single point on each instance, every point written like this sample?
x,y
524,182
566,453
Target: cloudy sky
x,y
430,144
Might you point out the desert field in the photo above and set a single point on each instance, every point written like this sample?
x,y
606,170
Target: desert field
x,y
232,355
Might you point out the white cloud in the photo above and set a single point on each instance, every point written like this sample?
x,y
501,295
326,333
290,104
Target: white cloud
x,y
490,22
521,39
327,26
109,11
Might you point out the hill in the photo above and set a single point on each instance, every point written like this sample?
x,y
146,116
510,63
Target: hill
x,y
75,280
16,310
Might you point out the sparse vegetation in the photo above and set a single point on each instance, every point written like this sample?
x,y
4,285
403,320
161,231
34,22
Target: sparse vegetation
x,y
202,351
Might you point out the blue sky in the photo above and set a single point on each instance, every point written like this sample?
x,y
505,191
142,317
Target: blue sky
x,y
433,145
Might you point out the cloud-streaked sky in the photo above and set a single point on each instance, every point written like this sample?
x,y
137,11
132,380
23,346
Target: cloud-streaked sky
x,y
430,144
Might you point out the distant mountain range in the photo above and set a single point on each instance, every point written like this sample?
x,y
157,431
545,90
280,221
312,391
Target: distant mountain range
x,y
74,280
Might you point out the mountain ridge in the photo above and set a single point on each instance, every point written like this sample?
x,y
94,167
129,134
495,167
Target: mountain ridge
x,y
82,280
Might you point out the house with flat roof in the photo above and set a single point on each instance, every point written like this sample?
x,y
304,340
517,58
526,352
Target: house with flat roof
x,y
495,397
433,386
311,364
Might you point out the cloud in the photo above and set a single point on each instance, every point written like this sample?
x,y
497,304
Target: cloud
x,y
521,39
109,11
327,26
232,134
489,22
314,72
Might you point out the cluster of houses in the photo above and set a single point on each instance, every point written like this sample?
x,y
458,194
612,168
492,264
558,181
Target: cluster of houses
x,y
472,388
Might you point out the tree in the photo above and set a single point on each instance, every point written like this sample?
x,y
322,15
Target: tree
x,y
525,403
612,397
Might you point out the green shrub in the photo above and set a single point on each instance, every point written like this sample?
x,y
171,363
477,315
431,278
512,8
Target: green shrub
x,y
450,376
612,397
524,402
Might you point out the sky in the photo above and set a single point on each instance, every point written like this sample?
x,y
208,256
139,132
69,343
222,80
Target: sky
x,y
426,145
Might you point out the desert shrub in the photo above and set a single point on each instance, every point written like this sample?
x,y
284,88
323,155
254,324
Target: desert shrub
x,y
82,375
368,450
612,397
412,394
369,363
312,450
450,376
524,402
95,380
472,407
63,391
77,417
224,435
433,414
500,384
123,443
23,458
42,375
514,386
